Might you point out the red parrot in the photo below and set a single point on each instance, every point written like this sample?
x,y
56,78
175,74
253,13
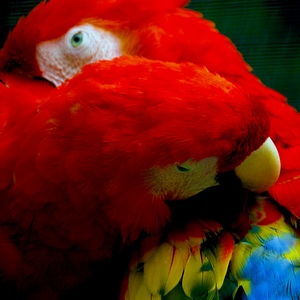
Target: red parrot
x,y
56,39
99,162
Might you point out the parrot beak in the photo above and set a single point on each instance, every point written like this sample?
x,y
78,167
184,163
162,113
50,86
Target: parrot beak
x,y
259,171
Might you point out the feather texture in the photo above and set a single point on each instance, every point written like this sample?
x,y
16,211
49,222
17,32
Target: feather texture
x,y
185,263
75,183
164,32
266,261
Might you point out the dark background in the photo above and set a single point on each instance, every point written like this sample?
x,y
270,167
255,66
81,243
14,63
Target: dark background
x,y
266,32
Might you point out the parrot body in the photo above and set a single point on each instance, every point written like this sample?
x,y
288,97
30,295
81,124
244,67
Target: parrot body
x,y
89,168
159,31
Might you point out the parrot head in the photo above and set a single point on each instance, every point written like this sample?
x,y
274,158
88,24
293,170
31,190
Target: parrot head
x,y
165,132
57,38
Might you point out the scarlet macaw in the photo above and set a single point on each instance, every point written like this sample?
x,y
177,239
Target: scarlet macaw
x,y
56,39
173,40
90,168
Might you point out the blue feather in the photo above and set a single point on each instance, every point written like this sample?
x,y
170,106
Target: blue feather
x,y
266,263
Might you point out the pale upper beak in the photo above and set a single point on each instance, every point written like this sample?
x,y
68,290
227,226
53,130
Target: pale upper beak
x,y
259,171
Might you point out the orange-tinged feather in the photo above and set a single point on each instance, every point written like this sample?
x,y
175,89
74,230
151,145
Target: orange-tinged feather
x,y
78,187
165,32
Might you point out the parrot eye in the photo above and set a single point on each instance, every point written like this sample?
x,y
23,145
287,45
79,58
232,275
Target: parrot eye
x,y
182,169
77,39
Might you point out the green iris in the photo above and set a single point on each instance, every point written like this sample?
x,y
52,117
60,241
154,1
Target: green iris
x,y
77,39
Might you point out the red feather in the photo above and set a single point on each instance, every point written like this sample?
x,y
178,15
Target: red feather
x,y
74,185
51,19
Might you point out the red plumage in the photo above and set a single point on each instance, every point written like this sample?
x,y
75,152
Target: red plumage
x,y
155,30
61,203
285,132
51,19
74,184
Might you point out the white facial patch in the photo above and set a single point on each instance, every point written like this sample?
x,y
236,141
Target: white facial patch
x,y
181,181
62,58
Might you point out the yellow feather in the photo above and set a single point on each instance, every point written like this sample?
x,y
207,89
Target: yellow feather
x,y
185,253
176,294
198,278
219,267
293,253
219,255
137,290
240,253
146,249
163,270
246,284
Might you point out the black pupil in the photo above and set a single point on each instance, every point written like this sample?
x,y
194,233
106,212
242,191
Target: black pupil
x,y
76,39
182,169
